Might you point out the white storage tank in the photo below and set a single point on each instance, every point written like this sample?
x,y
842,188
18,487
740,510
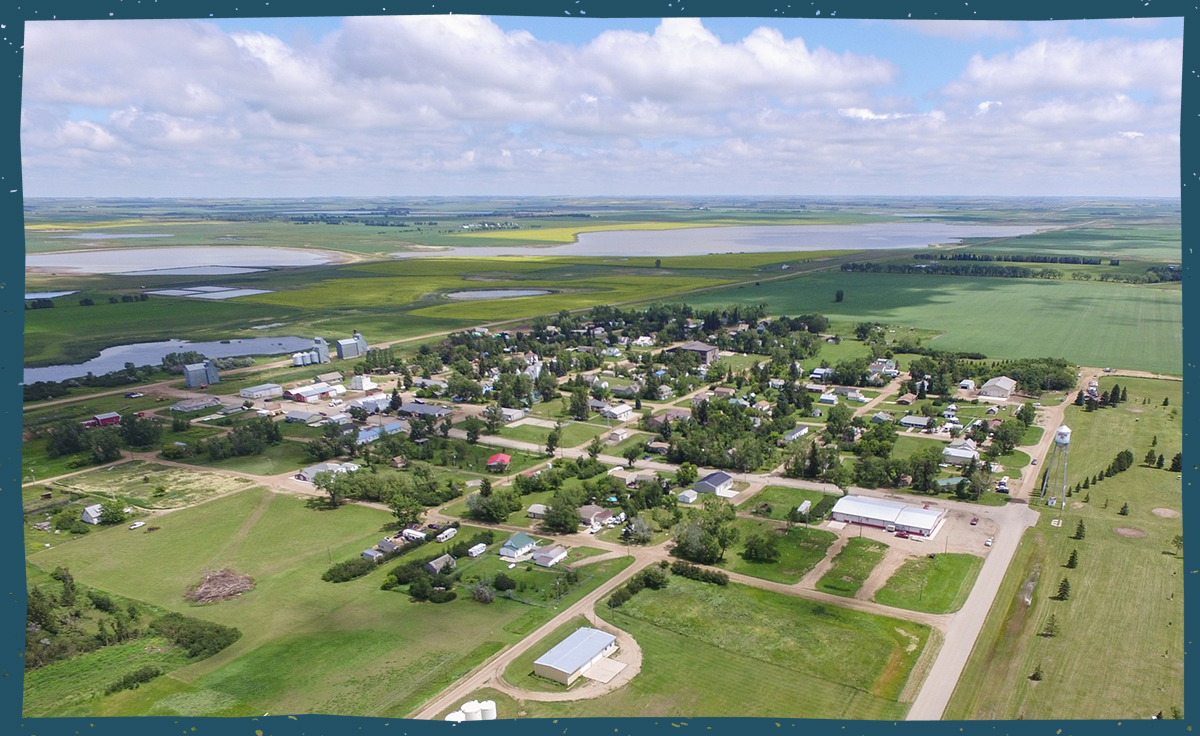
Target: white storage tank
x,y
456,717
470,709
298,359
305,359
314,356
488,709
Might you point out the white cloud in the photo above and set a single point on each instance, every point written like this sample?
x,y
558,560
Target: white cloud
x,y
1131,134
986,105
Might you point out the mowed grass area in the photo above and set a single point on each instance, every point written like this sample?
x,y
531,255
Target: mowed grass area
x,y
573,433
1119,650
938,585
274,460
1142,325
800,550
153,486
852,566
308,646
781,499
805,659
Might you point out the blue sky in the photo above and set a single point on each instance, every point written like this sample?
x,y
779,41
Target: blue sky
x,y
462,105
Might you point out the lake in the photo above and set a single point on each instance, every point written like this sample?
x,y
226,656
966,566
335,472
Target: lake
x,y
151,353
699,241
142,260
466,296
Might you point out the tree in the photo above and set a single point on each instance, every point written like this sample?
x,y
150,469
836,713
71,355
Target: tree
x,y
1160,462
839,295
407,509
1006,436
631,453
327,481
658,263
1080,530
762,546
1166,401
1051,627
1037,673
1027,413
493,416
1150,457
923,467
111,512
1124,394
1124,510
578,404
1177,463
1154,441
594,447
1079,399
474,427
1073,560
552,439
481,593
639,531
1064,590
686,475
1177,543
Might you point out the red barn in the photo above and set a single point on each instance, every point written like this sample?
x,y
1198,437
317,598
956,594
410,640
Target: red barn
x,y
103,420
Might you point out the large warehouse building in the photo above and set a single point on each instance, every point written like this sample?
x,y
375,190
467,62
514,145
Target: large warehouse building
x,y
573,656
890,515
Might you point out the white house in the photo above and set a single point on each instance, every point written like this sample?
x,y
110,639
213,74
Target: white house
x,y
550,556
619,412
829,398
91,514
517,546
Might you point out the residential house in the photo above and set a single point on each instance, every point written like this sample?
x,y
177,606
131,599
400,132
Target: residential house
x,y
718,483
880,417
517,546
91,514
498,463
796,433
658,448
906,399
550,556
665,392
619,412
591,514
915,421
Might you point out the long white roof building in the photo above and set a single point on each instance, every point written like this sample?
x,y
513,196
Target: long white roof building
x,y
880,512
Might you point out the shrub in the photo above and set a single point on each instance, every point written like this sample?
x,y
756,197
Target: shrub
x,y
101,601
695,572
442,596
348,570
198,638
503,582
654,578
619,598
133,679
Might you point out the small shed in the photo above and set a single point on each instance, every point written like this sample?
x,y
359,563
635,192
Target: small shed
x,y
536,511
445,563
550,556
373,555
688,496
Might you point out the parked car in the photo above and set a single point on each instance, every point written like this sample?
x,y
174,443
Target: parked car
x,y
1034,461
988,543
902,534
137,525
134,395
974,521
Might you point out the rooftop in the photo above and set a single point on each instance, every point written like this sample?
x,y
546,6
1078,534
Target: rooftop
x,y
576,650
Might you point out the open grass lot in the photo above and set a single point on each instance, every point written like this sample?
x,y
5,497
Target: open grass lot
x,y
360,650
805,660
938,585
1143,325
88,406
573,433
800,550
274,460
781,499
852,566
153,486
1119,650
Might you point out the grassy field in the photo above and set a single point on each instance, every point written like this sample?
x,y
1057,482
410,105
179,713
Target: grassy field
x,y
1117,654
154,486
781,499
573,433
274,460
940,585
800,550
308,646
1143,325
805,660
852,566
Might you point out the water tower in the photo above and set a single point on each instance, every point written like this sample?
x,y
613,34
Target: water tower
x,y
1058,457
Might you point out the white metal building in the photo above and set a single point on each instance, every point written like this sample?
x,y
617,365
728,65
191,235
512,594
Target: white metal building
x,y
890,515
261,391
574,655
1000,387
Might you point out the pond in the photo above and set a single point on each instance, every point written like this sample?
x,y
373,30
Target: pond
x,y
494,294
142,260
47,294
151,353
697,241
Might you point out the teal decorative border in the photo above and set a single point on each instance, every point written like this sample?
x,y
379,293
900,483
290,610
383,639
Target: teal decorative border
x,y
13,13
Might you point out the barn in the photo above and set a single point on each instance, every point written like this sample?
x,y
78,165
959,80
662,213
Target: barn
x,y
261,391
574,655
890,515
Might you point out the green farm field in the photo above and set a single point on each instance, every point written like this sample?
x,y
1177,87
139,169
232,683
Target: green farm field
x,y
806,660
363,651
1085,675
1142,326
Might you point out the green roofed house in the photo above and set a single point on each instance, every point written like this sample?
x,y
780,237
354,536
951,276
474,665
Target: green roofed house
x,y
517,546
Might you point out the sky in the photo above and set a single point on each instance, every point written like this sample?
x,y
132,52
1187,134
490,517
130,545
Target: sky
x,y
471,105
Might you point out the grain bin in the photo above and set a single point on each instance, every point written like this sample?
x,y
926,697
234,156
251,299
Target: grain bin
x,y
456,717
487,708
297,359
470,709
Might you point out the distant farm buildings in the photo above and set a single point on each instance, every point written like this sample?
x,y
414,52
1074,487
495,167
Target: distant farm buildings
x,y
352,347
199,375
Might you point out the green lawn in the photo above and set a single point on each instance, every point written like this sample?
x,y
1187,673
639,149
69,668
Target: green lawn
x,y
805,660
1143,324
781,499
800,550
938,585
573,433
1086,675
1032,436
361,651
852,566
274,460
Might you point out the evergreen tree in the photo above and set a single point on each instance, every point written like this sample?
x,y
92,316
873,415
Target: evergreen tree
x,y
1124,510
1037,673
1166,401
1079,399
1073,560
1177,463
1105,504
1080,530
1124,395
1160,462
1154,441
1051,627
1087,498
1087,483
1149,459
1064,590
